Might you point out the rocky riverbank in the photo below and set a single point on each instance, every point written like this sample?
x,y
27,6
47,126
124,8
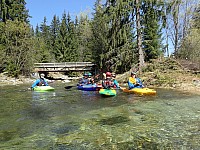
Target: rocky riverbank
x,y
6,80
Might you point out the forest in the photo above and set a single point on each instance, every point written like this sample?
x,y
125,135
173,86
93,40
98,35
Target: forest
x,y
120,35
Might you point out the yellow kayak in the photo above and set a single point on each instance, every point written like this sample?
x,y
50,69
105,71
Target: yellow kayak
x,y
140,91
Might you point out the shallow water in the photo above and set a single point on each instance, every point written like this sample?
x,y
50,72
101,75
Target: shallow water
x,y
73,120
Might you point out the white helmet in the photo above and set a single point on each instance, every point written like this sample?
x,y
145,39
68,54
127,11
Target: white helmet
x,y
42,75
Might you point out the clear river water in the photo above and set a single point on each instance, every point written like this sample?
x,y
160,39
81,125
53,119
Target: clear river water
x,y
70,119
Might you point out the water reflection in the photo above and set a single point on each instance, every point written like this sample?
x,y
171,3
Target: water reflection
x,y
43,96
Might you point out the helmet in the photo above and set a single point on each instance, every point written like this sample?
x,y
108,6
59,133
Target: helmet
x,y
133,73
113,75
85,74
108,74
89,74
42,75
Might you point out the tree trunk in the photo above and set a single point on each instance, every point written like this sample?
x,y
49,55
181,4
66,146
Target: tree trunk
x,y
139,36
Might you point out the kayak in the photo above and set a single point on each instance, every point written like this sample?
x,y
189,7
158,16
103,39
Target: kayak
x,y
89,87
43,88
140,91
107,92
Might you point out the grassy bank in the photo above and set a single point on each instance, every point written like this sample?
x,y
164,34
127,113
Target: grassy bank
x,y
168,73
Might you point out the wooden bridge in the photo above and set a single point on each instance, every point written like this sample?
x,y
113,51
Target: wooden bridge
x,y
64,67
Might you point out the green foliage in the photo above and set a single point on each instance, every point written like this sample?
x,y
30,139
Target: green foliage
x,y
84,34
66,42
13,10
108,39
152,34
113,38
16,47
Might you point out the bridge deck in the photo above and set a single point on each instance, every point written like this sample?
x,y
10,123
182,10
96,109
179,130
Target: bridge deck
x,y
63,67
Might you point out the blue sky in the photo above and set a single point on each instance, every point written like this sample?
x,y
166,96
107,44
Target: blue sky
x,y
38,9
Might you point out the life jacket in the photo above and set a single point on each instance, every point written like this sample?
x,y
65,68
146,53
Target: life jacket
x,y
108,83
42,82
132,80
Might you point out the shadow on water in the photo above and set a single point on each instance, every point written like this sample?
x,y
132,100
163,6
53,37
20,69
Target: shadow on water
x,y
72,119
113,120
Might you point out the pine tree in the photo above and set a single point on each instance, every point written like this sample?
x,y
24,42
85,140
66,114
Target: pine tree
x,y
84,32
12,10
61,40
99,38
71,47
152,29
16,47
54,30
116,50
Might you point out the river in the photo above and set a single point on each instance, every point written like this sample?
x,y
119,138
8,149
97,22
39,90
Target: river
x,y
79,120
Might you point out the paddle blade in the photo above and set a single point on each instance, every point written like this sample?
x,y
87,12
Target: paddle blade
x,y
68,87
125,89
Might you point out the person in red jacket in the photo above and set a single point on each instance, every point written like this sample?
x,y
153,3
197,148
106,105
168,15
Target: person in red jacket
x,y
107,83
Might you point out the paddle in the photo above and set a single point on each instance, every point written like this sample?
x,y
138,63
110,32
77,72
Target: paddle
x,y
69,87
124,89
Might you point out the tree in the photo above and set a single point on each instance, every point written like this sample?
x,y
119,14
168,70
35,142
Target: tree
x,y
113,33
84,34
60,44
13,10
71,41
54,30
190,45
99,31
16,47
152,25
139,36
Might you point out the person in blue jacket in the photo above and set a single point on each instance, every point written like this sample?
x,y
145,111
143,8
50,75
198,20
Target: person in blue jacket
x,y
115,83
84,80
40,82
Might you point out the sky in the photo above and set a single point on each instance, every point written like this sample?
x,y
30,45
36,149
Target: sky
x,y
39,9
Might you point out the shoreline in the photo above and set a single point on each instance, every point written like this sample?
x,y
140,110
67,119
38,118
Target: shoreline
x,y
5,80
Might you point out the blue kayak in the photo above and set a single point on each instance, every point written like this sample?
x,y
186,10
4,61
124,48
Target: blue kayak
x,y
89,87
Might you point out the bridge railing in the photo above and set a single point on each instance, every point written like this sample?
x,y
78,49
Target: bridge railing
x,y
70,64
64,66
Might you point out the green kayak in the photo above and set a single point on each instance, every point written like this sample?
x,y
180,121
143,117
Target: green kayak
x,y
43,88
107,92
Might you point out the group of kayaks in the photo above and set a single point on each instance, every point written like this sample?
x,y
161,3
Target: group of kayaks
x,y
112,92
103,92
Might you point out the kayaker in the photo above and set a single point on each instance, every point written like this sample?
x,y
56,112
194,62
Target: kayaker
x,y
84,79
134,82
107,83
115,83
90,78
40,82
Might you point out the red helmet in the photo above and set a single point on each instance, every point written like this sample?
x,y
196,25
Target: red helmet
x,y
108,74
